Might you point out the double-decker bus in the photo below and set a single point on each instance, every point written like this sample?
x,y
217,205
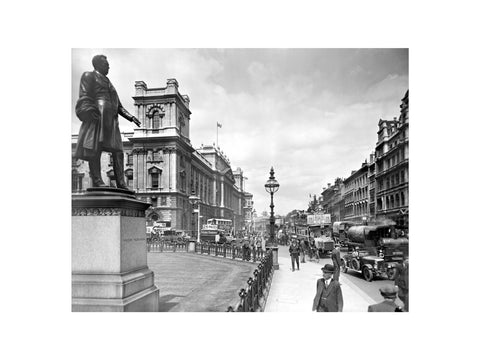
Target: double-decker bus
x,y
222,224
215,229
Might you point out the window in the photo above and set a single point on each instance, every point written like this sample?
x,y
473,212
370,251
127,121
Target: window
x,y
77,180
155,181
129,159
163,200
156,120
155,177
397,200
129,176
402,176
403,198
156,155
397,178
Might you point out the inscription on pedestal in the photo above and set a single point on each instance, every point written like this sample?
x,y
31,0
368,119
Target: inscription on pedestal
x,y
107,212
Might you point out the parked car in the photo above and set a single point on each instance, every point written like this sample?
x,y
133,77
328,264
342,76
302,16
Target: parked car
x,y
369,264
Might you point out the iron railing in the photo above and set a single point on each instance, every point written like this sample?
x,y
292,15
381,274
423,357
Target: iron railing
x,y
229,251
254,297
162,245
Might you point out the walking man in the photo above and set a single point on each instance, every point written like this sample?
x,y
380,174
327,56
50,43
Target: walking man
x,y
329,293
294,250
336,262
389,293
98,108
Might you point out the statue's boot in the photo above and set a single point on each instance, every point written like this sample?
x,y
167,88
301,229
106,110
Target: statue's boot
x,y
94,165
118,170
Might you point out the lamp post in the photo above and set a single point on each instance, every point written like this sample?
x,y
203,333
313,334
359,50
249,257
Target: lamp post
x,y
271,187
195,200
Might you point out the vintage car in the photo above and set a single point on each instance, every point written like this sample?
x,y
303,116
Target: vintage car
x,y
369,264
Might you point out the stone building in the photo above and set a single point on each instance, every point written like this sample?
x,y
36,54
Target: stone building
x,y
163,168
332,200
357,195
392,167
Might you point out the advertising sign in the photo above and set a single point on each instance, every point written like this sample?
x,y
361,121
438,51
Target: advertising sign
x,y
319,219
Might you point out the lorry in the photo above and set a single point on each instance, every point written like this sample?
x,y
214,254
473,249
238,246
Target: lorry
x,y
339,230
374,250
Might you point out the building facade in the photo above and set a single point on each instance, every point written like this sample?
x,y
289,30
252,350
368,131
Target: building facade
x,y
357,195
163,168
392,167
379,189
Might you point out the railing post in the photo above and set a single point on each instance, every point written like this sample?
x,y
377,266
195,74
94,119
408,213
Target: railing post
x,y
224,250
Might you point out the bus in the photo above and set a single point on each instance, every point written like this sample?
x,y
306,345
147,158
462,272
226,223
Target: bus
x,y
224,225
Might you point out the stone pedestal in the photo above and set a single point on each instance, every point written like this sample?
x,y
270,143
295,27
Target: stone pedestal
x,y
191,245
275,256
109,253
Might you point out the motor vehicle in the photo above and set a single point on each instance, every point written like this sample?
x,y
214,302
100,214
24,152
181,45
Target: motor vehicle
x,y
339,231
369,264
324,244
381,240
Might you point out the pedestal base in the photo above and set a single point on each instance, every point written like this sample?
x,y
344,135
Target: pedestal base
x,y
191,246
109,253
275,256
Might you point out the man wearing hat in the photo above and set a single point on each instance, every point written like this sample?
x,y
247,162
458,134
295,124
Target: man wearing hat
x,y
294,251
389,293
329,294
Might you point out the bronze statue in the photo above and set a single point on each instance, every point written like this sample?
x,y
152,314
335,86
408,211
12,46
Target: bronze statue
x,y
98,108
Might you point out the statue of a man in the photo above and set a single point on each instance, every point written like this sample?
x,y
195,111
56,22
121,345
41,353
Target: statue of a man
x,y
98,108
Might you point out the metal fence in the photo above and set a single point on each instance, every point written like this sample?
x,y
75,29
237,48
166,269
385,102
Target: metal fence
x,y
230,251
253,298
162,245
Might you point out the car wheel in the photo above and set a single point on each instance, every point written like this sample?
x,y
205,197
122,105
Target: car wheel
x,y
355,264
367,274
343,266
391,273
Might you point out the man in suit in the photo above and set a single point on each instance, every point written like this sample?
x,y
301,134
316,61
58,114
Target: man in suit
x,y
389,293
294,251
98,108
336,262
329,293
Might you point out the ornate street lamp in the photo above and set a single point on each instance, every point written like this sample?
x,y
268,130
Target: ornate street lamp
x,y
271,186
195,200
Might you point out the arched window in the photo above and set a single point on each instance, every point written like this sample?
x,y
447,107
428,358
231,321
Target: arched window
x,y
156,120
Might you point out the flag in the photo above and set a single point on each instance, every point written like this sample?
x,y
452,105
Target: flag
x,y
219,125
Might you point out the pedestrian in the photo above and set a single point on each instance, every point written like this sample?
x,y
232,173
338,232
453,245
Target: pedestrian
x,y
329,296
303,249
336,259
98,108
389,293
401,280
294,251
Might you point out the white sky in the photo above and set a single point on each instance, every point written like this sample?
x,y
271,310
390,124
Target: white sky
x,y
312,114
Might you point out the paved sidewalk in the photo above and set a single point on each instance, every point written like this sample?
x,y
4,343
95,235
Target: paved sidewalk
x,y
294,291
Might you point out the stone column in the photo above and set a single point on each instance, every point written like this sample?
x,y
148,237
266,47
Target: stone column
x,y
109,253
